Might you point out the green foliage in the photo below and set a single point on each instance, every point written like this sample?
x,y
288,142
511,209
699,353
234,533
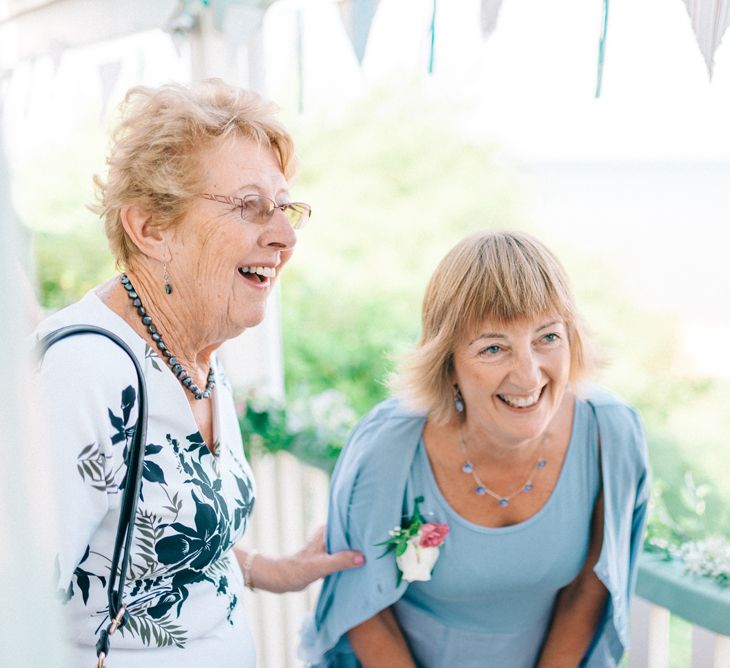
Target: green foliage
x,y
392,187
52,194
68,264
684,536
666,529
643,363
343,341
313,427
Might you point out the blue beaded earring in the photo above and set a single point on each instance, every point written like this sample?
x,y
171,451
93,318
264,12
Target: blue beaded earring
x,y
458,400
166,279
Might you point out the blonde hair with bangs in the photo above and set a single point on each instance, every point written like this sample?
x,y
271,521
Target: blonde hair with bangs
x,y
498,276
154,160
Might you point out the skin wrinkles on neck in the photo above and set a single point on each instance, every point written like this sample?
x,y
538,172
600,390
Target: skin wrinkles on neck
x,y
171,314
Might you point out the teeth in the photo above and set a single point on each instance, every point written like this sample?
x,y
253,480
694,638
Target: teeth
x,y
269,272
521,402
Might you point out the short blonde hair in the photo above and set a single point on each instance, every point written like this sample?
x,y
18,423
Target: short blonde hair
x,y
499,276
154,157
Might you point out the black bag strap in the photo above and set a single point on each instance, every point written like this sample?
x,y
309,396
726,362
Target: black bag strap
x,y
135,463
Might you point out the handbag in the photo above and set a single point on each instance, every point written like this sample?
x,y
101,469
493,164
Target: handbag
x,y
135,463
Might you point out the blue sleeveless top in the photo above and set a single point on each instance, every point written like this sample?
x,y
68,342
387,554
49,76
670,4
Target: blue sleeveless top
x,y
491,595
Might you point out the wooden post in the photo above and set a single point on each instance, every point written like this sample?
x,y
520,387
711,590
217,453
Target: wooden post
x,y
709,650
649,635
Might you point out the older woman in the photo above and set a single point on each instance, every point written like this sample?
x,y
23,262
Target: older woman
x,y
518,500
197,211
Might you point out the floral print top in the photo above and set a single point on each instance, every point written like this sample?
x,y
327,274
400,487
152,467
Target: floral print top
x,y
184,586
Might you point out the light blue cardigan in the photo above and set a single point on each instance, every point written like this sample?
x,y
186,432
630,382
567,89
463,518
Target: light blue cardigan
x,y
369,494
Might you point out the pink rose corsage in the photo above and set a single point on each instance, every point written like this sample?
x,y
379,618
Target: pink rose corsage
x,y
433,534
416,544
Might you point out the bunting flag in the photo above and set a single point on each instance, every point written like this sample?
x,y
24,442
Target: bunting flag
x,y
357,17
488,16
710,19
432,40
602,49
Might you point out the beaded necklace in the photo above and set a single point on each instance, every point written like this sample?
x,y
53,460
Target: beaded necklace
x,y
481,489
182,375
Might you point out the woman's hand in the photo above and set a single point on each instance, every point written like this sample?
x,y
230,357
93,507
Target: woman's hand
x,y
295,572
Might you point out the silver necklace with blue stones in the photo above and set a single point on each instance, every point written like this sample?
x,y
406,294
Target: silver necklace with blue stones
x,y
482,490
182,375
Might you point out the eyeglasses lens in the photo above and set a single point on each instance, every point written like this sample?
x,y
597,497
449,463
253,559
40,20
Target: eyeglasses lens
x,y
294,215
259,209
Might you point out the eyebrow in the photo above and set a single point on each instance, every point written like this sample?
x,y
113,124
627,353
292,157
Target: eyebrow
x,y
259,189
500,335
548,324
248,186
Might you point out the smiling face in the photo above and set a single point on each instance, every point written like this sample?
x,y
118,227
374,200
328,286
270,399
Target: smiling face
x,y
224,268
513,378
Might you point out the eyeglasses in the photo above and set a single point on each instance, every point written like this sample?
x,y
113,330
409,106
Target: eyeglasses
x,y
258,209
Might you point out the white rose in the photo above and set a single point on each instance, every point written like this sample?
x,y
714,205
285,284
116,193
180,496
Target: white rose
x,y
417,562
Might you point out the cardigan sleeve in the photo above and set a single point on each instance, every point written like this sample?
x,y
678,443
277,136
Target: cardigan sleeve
x,y
368,497
624,465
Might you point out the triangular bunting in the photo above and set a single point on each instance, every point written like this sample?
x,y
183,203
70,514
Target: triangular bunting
x,y
488,16
710,19
357,17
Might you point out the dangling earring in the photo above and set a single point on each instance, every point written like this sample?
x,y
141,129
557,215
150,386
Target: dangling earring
x,y
458,400
166,279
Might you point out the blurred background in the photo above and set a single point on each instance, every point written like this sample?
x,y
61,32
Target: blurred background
x,y
418,122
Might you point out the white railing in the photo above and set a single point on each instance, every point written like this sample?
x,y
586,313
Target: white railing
x,y
663,591
292,501
650,640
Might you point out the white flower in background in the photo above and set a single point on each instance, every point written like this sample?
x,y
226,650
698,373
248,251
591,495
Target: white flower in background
x,y
331,409
709,557
327,411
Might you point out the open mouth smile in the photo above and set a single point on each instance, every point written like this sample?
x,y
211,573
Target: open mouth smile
x,y
522,402
260,277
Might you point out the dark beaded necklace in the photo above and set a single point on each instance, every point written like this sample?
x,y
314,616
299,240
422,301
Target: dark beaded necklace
x,y
177,368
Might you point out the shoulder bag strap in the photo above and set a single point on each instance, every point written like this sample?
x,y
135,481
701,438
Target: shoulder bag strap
x,y
135,463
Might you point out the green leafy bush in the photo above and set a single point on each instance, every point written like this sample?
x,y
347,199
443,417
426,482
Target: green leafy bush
x,y
313,427
68,264
392,186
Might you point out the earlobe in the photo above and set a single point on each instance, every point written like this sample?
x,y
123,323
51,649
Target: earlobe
x,y
142,232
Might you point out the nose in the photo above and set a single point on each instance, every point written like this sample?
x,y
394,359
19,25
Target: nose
x,y
526,373
279,233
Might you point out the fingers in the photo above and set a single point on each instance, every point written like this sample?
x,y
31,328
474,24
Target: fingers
x,y
341,561
319,538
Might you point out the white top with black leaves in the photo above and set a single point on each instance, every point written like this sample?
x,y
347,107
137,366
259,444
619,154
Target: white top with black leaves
x,y
184,587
